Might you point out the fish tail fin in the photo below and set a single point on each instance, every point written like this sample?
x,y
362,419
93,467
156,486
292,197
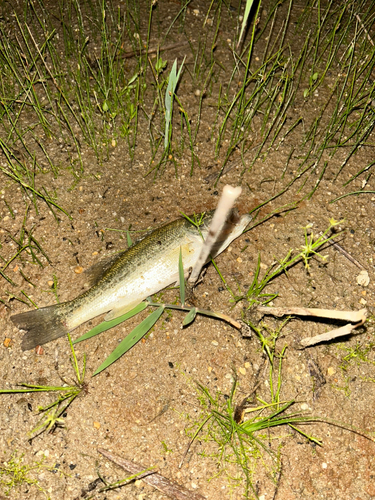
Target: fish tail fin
x,y
42,325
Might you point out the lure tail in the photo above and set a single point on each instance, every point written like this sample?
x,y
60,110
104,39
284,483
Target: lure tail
x,y
42,325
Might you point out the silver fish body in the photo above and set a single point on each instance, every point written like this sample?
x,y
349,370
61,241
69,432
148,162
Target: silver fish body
x,y
145,268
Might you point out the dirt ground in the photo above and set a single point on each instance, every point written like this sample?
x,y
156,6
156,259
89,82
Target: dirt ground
x,y
138,407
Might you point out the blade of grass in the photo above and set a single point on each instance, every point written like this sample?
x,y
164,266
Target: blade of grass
x,y
181,275
106,325
190,316
130,340
169,97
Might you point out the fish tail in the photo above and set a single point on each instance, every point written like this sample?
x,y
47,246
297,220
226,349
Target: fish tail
x,y
42,325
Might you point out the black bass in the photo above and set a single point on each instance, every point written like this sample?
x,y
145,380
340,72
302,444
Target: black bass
x,y
145,268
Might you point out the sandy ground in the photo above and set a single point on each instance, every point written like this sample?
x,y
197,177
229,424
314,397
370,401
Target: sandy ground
x,y
141,406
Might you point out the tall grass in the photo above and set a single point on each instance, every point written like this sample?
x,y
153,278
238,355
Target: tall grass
x,y
68,71
84,77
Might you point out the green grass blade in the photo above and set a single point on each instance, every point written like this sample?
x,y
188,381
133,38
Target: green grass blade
x,y
131,339
307,436
169,102
249,4
350,194
169,94
128,239
106,325
190,316
181,275
35,388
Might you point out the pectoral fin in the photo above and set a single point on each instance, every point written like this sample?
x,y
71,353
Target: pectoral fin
x,y
119,311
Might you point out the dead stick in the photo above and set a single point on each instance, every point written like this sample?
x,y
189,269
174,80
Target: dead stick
x,y
224,206
352,316
364,29
325,337
156,480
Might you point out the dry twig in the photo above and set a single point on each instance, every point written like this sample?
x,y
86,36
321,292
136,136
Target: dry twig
x,y
355,318
161,483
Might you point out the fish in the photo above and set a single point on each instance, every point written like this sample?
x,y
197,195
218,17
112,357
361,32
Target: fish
x,y
128,278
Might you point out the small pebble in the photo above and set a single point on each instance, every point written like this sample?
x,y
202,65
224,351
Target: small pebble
x,y
7,342
363,278
78,270
215,343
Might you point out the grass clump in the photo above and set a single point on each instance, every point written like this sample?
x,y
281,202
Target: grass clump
x,y
53,412
67,75
358,354
238,434
14,474
311,248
